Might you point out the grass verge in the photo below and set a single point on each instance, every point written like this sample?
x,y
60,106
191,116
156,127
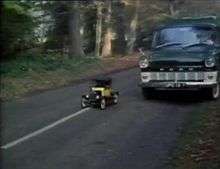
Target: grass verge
x,y
30,73
199,144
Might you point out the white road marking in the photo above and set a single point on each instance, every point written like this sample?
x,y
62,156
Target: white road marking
x,y
40,131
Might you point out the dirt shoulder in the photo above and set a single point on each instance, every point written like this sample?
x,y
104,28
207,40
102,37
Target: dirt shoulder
x,y
16,85
199,143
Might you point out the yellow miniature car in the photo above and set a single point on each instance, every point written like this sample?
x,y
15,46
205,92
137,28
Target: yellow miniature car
x,y
100,95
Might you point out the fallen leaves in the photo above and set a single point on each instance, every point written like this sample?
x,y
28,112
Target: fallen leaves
x,y
205,151
205,147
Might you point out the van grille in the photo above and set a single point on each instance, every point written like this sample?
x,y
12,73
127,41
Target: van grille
x,y
177,76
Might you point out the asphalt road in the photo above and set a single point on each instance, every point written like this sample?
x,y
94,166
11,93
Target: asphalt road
x,y
135,134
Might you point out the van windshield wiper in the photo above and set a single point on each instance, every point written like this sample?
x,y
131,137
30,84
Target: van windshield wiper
x,y
168,44
196,44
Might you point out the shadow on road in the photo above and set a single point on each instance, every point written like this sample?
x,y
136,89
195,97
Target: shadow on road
x,y
180,97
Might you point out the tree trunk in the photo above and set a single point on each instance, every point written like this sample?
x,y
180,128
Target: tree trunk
x,y
133,29
1,7
119,43
172,7
107,44
1,31
60,26
75,41
98,29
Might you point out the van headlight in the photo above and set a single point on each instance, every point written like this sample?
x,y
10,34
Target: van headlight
x,y
210,62
144,63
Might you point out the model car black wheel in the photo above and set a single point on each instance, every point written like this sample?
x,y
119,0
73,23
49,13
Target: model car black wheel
x,y
147,93
214,92
84,103
103,104
115,98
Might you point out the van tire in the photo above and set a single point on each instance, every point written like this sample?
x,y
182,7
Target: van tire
x,y
213,93
147,93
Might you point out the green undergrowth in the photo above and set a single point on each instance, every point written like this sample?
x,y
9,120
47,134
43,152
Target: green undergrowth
x,y
29,73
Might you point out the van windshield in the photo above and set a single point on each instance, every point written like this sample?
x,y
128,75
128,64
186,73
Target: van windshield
x,y
184,36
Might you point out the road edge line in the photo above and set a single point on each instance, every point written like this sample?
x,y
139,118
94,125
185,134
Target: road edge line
x,y
42,130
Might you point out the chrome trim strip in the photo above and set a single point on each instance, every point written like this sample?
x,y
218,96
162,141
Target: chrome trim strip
x,y
196,76
158,76
186,76
178,76
200,83
167,76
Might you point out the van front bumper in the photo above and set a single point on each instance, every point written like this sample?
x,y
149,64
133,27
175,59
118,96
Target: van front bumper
x,y
178,85
179,80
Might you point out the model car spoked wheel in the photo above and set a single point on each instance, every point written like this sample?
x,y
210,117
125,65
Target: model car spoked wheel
x,y
214,92
115,98
103,103
84,103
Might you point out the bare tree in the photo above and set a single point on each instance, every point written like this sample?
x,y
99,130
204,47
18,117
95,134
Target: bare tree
x,y
98,28
133,28
75,41
107,44
172,7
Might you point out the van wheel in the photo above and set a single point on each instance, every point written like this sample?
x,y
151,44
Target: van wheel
x,y
214,92
103,104
147,93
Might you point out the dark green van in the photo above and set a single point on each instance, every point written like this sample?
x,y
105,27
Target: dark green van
x,y
185,55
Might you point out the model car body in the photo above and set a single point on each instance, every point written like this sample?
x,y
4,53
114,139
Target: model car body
x,y
185,55
101,94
